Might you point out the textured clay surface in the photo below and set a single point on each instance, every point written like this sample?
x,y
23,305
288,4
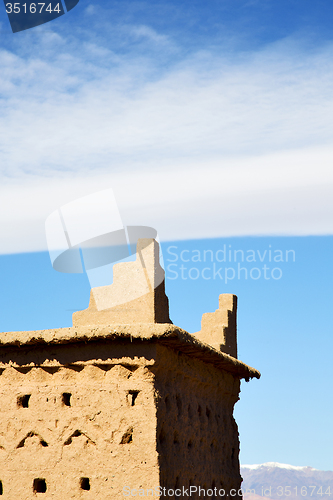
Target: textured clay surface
x,y
197,437
123,399
84,429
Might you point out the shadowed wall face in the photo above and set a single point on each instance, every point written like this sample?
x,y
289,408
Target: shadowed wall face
x,y
98,417
123,400
197,436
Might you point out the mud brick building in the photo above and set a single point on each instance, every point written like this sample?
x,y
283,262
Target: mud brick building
x,y
122,399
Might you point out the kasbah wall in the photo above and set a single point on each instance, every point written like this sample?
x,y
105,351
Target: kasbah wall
x,y
123,399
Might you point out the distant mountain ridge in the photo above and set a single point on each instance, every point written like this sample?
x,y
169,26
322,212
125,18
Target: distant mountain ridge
x,y
286,482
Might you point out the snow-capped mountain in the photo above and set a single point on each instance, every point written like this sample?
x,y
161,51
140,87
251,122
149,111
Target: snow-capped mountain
x,y
276,464
286,482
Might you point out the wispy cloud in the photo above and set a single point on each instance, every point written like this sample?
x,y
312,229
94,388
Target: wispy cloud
x,y
208,134
149,33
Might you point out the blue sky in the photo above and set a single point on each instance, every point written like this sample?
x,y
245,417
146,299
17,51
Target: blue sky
x,y
212,122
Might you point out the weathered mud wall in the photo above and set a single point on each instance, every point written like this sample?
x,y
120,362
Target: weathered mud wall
x,y
82,425
197,437
112,403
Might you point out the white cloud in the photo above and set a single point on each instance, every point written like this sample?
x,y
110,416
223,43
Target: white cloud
x,y
274,194
208,146
149,33
90,10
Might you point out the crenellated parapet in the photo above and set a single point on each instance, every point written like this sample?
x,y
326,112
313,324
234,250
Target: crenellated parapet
x,y
219,328
137,294
122,401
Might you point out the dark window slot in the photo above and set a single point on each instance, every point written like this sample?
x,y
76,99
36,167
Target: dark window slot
x,y
39,485
66,399
85,483
131,397
127,437
23,401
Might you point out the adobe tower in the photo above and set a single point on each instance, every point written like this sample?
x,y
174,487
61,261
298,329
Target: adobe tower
x,y
123,403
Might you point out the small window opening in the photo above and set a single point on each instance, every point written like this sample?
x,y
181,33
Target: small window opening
x,y
29,435
1,488
66,399
127,437
207,412
76,433
85,483
39,485
131,397
23,401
